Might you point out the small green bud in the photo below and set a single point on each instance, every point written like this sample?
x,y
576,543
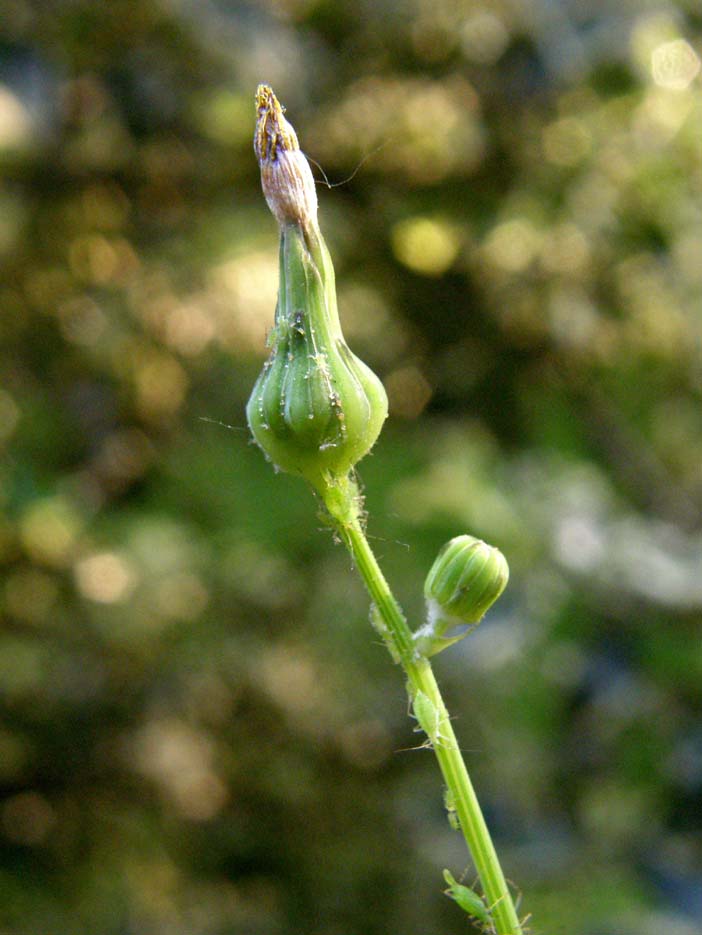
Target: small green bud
x,y
316,409
465,580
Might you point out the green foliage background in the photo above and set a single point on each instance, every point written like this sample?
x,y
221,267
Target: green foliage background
x,y
199,732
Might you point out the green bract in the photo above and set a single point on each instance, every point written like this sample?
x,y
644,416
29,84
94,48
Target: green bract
x,y
316,409
466,578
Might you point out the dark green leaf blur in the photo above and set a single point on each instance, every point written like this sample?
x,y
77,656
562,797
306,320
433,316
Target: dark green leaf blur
x,y
199,731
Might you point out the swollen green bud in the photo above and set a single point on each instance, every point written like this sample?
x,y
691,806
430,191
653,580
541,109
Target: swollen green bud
x,y
465,580
316,409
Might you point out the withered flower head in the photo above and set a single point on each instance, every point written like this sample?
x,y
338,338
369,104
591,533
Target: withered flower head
x,y
286,177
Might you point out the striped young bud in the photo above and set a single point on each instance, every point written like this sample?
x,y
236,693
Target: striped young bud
x,y
316,409
465,580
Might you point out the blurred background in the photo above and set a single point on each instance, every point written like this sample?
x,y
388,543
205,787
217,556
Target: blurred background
x,y
199,733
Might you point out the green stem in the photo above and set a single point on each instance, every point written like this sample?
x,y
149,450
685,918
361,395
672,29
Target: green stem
x,y
399,640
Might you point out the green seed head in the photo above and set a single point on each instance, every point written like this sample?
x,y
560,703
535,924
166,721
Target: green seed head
x,y
316,409
465,580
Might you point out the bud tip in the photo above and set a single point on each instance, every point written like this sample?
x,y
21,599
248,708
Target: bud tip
x,y
273,132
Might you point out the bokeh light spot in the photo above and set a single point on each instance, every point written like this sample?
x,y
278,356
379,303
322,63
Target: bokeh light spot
x,y
181,597
573,318
674,65
225,116
423,129
366,744
48,531
246,290
565,250
659,117
291,678
105,577
15,123
180,759
408,392
512,245
161,385
82,321
189,328
93,259
483,37
426,245
368,317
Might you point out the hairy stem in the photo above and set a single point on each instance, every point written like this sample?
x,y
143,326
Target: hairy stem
x,y
398,638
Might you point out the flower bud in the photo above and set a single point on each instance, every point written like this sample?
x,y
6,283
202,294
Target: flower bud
x,y
286,177
316,409
465,580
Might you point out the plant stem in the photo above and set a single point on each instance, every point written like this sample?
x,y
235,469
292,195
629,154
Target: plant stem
x,y
399,640
316,410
